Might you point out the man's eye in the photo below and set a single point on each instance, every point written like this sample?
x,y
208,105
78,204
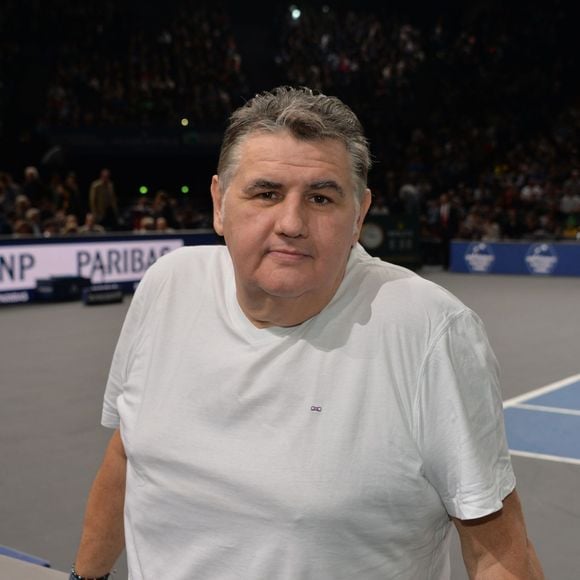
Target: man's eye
x,y
266,195
320,199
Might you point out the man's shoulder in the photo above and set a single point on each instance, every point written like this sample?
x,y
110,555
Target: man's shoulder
x,y
397,287
191,258
185,270
192,264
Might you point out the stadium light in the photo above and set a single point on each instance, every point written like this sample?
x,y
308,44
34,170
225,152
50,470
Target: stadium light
x,y
295,12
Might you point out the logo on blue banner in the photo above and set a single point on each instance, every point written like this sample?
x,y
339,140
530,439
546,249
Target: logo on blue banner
x,y
479,257
541,259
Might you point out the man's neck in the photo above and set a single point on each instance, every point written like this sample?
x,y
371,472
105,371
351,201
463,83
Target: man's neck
x,y
264,311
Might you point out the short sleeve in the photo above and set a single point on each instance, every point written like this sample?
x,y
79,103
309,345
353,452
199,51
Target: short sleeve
x,y
459,424
122,357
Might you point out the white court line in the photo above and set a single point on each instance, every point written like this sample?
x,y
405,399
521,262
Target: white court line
x,y
544,409
541,391
555,458
518,402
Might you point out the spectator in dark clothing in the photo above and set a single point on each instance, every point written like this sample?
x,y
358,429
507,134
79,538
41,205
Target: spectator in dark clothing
x,y
37,192
163,208
448,225
103,201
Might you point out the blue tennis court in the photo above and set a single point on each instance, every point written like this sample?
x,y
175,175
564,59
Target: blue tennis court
x,y
545,423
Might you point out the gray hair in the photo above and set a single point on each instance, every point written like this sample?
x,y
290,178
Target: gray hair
x,y
308,116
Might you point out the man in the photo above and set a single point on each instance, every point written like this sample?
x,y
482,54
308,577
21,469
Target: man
x,y
38,193
289,408
448,225
103,200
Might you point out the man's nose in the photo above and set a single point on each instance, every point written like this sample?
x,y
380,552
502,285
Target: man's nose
x,y
291,218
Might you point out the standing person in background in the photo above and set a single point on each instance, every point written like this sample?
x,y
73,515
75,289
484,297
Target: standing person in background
x,y
448,225
73,197
286,407
163,208
38,193
103,201
9,191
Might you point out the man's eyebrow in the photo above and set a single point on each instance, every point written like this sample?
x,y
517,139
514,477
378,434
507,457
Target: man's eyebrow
x,y
327,184
261,184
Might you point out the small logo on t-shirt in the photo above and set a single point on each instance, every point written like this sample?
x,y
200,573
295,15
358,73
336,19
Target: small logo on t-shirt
x,y
316,409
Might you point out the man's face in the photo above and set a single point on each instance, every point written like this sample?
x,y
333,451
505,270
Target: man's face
x,y
289,216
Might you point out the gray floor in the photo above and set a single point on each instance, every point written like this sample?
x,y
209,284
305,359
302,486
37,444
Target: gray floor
x,y
54,360
534,327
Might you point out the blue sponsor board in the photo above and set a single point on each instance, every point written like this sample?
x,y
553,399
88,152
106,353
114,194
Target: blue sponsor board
x,y
535,259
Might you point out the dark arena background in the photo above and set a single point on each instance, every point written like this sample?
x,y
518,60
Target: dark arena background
x,y
111,117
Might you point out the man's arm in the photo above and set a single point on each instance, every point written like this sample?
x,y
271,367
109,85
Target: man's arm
x,y
103,537
496,547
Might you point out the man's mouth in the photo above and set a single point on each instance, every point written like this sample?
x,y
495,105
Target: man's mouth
x,y
288,254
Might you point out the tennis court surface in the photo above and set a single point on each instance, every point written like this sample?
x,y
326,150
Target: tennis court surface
x,y
53,366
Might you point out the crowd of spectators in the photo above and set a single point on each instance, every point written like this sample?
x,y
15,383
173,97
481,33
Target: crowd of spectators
x,y
473,121
143,65
473,118
34,208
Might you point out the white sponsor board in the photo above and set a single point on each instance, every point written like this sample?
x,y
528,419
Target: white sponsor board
x,y
479,257
102,262
541,259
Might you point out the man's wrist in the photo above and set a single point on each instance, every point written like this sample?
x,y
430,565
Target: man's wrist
x,y
74,575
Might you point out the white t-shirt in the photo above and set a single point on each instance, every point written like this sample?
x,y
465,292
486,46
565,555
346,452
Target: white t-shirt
x,y
332,450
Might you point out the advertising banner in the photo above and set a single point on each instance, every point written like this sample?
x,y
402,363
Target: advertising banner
x,y
103,260
535,259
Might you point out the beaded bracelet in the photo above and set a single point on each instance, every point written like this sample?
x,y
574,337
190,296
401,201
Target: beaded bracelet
x,y
75,576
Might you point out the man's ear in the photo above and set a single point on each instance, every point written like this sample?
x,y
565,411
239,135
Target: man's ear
x,y
364,208
217,198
